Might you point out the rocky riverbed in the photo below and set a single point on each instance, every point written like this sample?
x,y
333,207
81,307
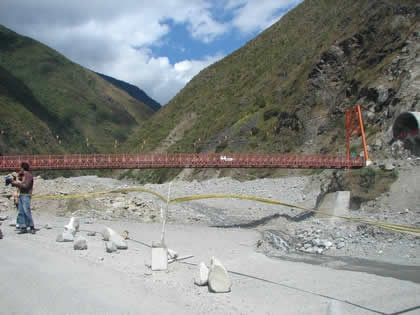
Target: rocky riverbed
x,y
285,231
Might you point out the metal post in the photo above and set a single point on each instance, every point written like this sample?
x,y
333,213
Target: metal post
x,y
362,130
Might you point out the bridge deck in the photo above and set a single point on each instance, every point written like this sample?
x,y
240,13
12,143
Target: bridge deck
x,y
177,160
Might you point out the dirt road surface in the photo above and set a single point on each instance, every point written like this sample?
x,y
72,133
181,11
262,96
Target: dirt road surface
x,y
40,276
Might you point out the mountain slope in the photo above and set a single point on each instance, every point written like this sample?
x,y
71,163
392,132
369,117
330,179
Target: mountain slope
x,y
286,90
72,102
133,91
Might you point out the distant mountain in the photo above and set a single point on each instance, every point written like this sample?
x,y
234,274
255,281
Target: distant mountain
x,y
134,91
48,104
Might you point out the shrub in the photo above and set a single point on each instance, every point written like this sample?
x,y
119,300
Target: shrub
x,y
270,113
367,177
395,173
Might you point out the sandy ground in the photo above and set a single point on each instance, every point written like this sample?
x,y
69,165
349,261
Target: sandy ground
x,y
52,278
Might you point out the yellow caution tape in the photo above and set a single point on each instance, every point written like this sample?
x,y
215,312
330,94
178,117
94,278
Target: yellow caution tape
x,y
387,226
100,193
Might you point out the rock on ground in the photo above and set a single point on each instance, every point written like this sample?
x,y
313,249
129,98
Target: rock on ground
x,y
110,235
219,280
80,243
202,278
65,236
110,247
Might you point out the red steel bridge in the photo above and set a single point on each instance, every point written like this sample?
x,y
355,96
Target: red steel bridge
x,y
354,127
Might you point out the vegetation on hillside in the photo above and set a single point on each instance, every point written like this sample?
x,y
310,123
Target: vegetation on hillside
x,y
133,91
286,90
51,105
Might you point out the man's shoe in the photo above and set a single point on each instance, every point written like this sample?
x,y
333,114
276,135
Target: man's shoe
x,y
22,231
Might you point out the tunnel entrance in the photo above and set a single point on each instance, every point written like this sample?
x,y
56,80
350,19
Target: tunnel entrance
x,y
406,128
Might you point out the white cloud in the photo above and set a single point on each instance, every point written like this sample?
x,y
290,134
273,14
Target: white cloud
x,y
101,34
251,16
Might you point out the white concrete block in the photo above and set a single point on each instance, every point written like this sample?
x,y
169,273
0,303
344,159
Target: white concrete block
x,y
202,278
219,280
336,203
159,256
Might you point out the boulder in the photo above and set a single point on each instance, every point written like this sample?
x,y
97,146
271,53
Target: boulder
x,y
112,236
219,280
65,236
202,278
80,243
325,243
73,225
389,166
340,245
172,254
110,247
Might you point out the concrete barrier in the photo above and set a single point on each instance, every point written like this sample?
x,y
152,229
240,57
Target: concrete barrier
x,y
159,256
336,203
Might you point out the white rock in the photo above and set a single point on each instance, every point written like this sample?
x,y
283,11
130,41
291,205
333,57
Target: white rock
x,y
172,254
389,166
202,278
110,235
110,247
80,243
325,243
316,242
73,225
219,280
47,227
65,236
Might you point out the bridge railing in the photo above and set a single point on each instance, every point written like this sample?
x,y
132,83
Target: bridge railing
x,y
178,160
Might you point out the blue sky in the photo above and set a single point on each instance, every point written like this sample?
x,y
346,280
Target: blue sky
x,y
157,45
180,46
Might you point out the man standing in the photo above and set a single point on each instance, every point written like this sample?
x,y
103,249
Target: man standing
x,y
24,219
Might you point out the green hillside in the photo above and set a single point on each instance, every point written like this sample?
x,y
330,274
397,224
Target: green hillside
x,y
286,90
44,95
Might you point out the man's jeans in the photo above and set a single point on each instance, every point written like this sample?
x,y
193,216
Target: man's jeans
x,y
24,218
